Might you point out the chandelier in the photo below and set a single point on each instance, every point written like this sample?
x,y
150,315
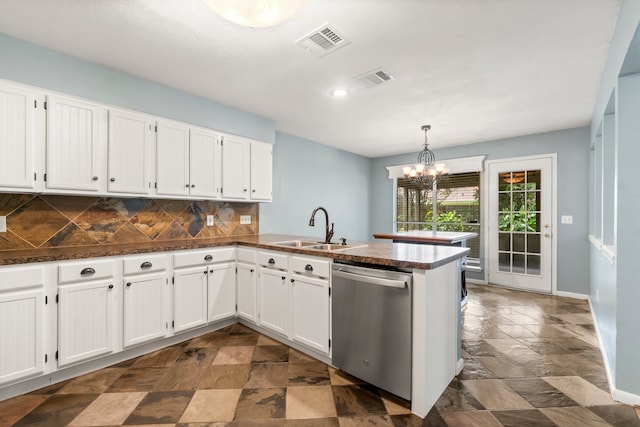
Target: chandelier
x,y
256,13
426,172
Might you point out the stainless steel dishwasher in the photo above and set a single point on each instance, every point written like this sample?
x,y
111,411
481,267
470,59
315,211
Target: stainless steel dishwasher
x,y
371,325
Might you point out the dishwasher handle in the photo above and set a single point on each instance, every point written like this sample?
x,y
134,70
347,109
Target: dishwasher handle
x,y
371,280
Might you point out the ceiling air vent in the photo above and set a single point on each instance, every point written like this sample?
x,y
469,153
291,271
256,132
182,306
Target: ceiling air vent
x,y
374,78
323,41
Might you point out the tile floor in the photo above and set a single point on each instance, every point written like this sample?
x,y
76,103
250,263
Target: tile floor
x,y
530,360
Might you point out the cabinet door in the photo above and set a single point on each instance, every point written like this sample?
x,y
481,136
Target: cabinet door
x,y
235,168
246,288
204,164
222,291
261,170
310,312
73,144
17,137
190,298
172,159
273,300
129,144
143,310
21,334
85,317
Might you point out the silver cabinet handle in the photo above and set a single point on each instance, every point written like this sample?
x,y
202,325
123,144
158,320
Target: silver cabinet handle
x,y
308,267
112,180
146,264
208,258
128,284
271,261
87,271
95,178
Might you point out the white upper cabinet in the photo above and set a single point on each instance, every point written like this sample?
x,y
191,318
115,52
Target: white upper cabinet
x,y
236,173
204,164
129,145
17,137
172,159
261,171
75,135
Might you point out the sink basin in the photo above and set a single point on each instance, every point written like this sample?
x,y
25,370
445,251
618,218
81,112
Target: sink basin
x,y
315,245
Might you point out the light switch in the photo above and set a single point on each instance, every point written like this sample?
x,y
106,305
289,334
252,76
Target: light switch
x,y
567,219
245,219
209,220
3,224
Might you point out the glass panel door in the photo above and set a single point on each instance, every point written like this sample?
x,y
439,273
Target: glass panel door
x,y
520,206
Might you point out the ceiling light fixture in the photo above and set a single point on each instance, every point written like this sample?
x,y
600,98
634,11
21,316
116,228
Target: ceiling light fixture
x,y
426,172
256,13
339,92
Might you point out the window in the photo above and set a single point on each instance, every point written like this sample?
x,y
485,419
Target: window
x,y
457,207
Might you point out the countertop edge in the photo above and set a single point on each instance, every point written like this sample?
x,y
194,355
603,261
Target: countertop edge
x,y
387,254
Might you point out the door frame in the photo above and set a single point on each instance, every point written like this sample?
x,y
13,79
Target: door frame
x,y
554,213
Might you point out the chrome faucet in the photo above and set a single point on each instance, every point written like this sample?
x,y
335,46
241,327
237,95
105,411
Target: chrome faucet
x,y
312,222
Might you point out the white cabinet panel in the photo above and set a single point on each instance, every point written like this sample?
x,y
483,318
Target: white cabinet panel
x,y
129,145
246,288
190,298
261,171
21,334
74,158
310,312
85,318
204,164
17,137
172,159
222,291
143,310
235,168
273,302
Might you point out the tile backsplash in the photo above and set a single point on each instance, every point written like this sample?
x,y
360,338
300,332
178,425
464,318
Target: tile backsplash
x,y
44,221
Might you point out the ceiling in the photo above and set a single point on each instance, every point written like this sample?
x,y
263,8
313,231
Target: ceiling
x,y
476,70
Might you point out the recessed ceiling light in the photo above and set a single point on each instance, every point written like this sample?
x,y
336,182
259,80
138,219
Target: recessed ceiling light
x,y
339,92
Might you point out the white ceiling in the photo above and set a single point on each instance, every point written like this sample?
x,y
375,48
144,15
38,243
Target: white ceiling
x,y
475,70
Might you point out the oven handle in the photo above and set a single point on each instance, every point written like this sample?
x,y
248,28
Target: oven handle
x,y
370,279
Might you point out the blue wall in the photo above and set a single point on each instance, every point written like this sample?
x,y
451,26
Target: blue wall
x,y
307,175
572,148
614,285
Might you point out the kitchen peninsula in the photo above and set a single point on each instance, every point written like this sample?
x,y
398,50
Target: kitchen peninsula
x,y
28,276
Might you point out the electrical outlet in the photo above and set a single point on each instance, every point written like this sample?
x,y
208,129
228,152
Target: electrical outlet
x,y
566,219
3,224
245,219
209,220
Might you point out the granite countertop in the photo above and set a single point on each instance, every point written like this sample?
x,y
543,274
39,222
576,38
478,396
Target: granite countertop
x,y
419,236
403,255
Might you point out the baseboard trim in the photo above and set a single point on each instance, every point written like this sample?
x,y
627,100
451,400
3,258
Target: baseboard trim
x,y
459,365
617,395
572,295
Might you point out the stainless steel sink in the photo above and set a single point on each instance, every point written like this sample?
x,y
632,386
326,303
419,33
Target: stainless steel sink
x,y
303,244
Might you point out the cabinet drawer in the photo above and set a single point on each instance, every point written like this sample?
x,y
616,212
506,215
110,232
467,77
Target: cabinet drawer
x,y
144,264
203,257
312,266
273,260
85,270
20,277
247,255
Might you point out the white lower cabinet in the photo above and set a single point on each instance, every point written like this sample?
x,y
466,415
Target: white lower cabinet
x,y
204,287
145,299
310,302
189,298
86,310
222,291
22,302
273,301
85,318
247,285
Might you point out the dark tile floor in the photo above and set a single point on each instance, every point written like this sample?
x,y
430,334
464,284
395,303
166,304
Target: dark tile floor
x,y
530,360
